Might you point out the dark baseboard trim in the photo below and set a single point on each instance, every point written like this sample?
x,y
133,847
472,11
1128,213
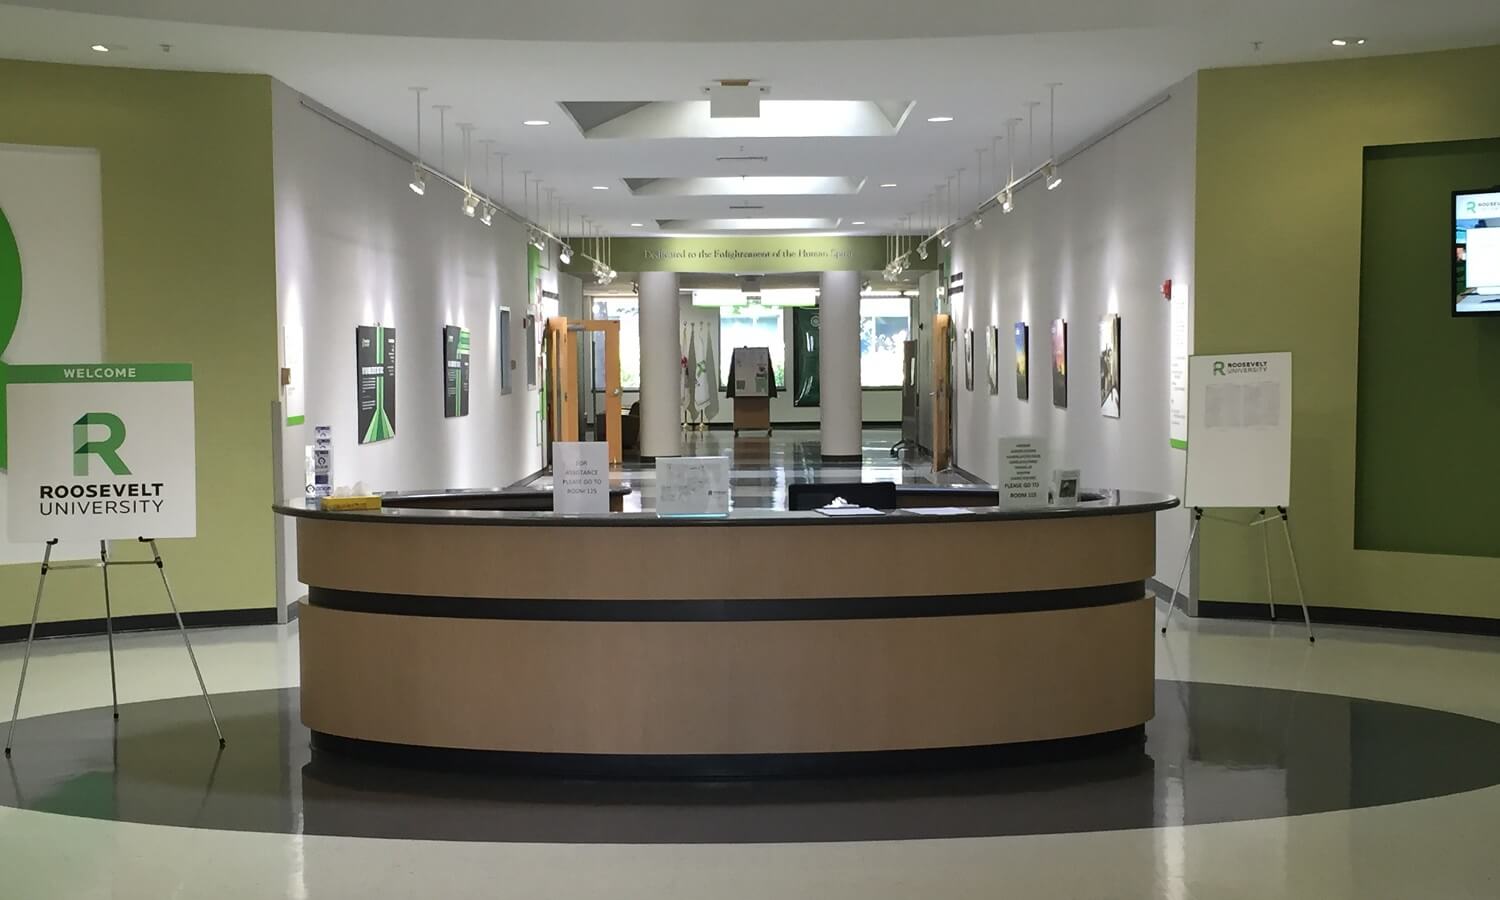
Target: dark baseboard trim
x,y
726,766
843,459
152,622
1338,615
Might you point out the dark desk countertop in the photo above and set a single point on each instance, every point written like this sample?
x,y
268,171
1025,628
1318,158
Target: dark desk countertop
x,y
1112,503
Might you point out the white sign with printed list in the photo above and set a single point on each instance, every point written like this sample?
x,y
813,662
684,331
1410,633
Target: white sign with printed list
x,y
1025,472
580,477
692,486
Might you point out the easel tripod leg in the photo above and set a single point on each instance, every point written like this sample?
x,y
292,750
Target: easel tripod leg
x,y
36,608
1186,555
109,629
1286,529
181,629
1265,552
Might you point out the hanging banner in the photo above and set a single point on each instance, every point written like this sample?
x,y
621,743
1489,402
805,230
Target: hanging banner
x,y
455,371
375,356
806,335
101,452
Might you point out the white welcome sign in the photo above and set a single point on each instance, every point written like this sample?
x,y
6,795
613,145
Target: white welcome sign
x,y
101,451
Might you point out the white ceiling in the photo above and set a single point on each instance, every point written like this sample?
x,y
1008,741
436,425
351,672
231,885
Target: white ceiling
x,y
1110,56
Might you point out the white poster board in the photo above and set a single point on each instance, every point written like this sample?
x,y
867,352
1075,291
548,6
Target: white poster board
x,y
1177,389
580,477
101,451
1239,430
1025,472
692,486
750,368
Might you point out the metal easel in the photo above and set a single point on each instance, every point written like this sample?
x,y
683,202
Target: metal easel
x,y
1263,522
104,565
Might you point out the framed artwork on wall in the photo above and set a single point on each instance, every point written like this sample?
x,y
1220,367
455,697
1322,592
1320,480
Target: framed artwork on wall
x,y
969,359
1109,366
1060,363
1023,361
992,356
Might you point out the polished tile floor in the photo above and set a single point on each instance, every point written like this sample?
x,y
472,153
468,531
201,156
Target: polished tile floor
x,y
1441,847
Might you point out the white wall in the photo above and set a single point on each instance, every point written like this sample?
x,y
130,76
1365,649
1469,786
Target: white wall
x,y
51,197
1103,242
878,406
354,246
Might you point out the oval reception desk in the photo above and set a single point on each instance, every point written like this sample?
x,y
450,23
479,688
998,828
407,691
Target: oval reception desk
x,y
764,642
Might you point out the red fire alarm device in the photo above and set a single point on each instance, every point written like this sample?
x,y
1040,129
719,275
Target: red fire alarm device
x,y
1166,289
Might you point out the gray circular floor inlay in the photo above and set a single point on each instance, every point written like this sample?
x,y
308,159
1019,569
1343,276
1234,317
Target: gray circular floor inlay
x,y
1214,753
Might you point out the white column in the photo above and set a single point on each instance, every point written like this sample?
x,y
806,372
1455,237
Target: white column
x,y
839,412
661,365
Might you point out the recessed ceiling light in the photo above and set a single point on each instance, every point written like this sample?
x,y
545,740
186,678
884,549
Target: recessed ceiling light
x,y
536,122
601,187
860,222
99,48
637,225
940,119
1346,41
889,184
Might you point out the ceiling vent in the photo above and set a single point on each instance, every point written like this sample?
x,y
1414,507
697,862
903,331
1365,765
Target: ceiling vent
x,y
734,99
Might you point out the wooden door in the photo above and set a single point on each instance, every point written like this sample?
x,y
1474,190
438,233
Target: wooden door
x,y
942,449
562,381
610,328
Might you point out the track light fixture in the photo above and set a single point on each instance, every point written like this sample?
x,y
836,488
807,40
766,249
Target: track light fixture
x,y
1007,201
947,241
565,254
418,183
535,239
1050,175
471,204
922,250
978,223
487,214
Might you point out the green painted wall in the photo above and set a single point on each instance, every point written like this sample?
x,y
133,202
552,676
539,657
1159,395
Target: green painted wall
x,y
1280,172
1429,384
189,275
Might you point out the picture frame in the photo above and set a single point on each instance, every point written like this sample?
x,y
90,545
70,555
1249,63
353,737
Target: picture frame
x,y
1023,361
1060,363
1109,366
992,348
969,359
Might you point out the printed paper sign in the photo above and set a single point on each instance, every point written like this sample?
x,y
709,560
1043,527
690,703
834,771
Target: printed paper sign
x,y
101,452
580,477
692,486
1025,472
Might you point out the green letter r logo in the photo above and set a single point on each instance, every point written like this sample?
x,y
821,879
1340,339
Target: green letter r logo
x,y
1218,368
106,449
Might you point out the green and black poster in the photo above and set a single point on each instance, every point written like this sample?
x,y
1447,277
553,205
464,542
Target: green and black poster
x,y
806,334
455,371
375,355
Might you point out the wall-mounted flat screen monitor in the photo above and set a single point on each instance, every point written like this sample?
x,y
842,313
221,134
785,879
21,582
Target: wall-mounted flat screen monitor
x,y
1476,252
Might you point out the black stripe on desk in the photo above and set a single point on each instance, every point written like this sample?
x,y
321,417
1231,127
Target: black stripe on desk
x,y
726,610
